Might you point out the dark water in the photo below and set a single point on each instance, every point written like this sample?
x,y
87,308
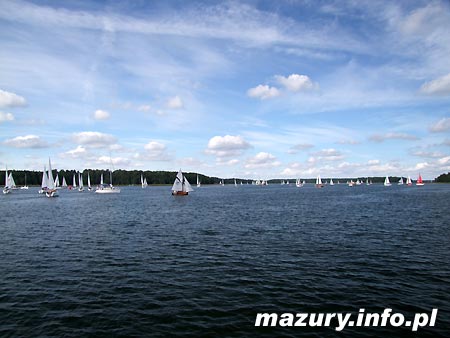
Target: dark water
x,y
145,264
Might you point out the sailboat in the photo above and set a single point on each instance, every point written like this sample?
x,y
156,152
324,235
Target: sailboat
x,y
144,183
64,183
12,183
74,185
400,181
7,188
298,183
386,182
43,182
107,189
89,182
80,181
419,181
351,183
57,181
25,186
198,182
408,181
51,191
319,183
331,181
181,185
235,183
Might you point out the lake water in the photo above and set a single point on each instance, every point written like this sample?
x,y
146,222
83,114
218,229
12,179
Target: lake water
x,y
143,263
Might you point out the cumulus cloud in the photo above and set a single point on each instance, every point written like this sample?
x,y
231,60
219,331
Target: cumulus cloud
x,y
28,141
263,92
326,155
8,99
439,86
391,136
296,82
444,160
441,126
174,103
101,115
6,117
262,160
155,151
117,161
94,139
226,146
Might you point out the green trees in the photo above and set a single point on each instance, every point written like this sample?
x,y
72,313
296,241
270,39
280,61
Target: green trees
x,y
443,178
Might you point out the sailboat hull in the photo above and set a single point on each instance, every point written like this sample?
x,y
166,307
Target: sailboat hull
x,y
179,193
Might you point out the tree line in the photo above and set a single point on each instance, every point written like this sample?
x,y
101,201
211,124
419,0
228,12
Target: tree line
x,y
443,178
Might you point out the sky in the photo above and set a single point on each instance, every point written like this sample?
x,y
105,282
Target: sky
x,y
248,89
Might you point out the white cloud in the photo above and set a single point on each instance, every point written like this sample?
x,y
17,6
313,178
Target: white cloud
x,y
373,162
439,86
444,160
101,115
390,136
299,147
296,82
6,117
422,165
226,146
155,151
78,152
174,103
326,155
262,160
263,92
94,139
8,99
441,126
114,160
28,141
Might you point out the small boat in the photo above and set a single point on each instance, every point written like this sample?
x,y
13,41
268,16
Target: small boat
x,y
74,185
64,183
25,186
51,189
144,183
89,182
298,183
80,181
57,186
107,189
7,188
386,182
400,181
419,181
408,181
181,185
351,183
331,182
199,183
319,183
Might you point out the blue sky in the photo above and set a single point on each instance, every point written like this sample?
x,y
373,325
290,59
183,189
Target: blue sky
x,y
256,89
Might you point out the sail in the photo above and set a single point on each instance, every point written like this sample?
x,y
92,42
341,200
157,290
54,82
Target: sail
x,y
44,183
101,179
331,182
74,181
181,183
89,181
408,181
11,182
64,183
57,180
51,182
6,179
318,180
80,179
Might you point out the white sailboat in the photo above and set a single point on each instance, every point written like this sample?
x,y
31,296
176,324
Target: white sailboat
x,y
331,181
64,183
57,181
25,186
198,182
181,185
80,181
351,183
7,188
408,181
107,189
400,181
44,181
12,183
298,183
74,184
89,182
235,183
144,183
386,182
319,183
51,191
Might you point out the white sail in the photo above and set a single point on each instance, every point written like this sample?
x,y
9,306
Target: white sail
x,y
318,180
64,183
74,185
386,182
101,179
44,183
89,182
57,180
198,182
80,180
11,182
400,182
143,181
408,181
331,182
181,184
51,182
